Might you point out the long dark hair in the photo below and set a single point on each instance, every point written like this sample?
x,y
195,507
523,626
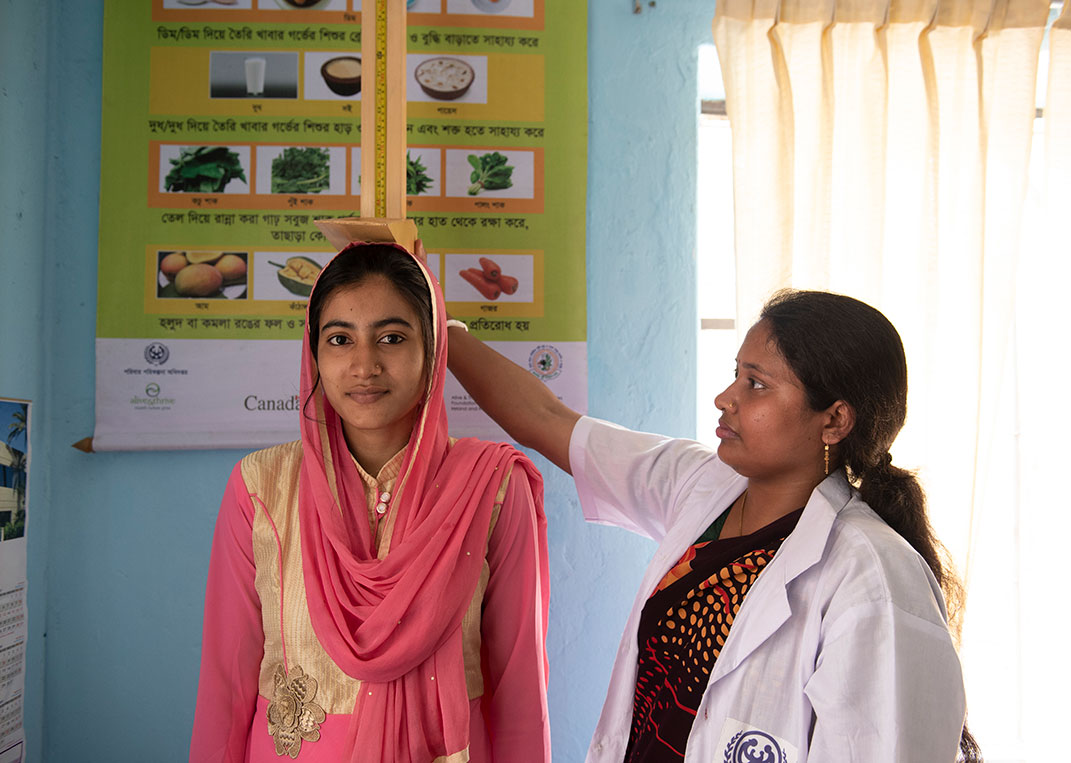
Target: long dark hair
x,y
843,349
352,266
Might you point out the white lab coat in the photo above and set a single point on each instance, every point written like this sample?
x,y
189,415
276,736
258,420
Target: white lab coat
x,y
840,651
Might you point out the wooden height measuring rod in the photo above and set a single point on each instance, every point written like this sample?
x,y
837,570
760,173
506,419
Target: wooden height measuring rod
x,y
383,132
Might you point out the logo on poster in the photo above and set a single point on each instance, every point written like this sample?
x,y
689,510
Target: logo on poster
x,y
152,400
156,354
545,361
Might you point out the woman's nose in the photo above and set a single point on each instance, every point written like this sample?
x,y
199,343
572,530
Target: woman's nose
x,y
364,361
723,400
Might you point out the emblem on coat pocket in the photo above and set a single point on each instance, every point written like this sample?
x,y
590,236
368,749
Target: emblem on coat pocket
x,y
743,743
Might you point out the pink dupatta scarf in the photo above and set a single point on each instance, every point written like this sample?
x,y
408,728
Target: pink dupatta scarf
x,y
395,623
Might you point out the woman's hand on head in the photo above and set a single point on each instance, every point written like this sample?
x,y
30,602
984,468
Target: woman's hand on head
x,y
420,253
517,401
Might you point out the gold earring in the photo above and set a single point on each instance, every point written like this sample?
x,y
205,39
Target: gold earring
x,y
826,458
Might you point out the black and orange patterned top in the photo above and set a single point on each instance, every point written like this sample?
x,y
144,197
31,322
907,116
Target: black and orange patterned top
x,y
683,628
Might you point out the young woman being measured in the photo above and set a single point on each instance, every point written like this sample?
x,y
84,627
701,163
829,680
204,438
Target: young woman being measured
x,y
377,590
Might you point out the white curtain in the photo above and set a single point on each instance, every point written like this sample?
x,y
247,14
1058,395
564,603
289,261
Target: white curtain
x,y
883,150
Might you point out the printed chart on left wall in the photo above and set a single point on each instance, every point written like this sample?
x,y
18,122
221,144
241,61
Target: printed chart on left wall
x,y
14,480
230,125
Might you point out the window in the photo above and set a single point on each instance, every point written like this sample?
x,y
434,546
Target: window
x,y
716,263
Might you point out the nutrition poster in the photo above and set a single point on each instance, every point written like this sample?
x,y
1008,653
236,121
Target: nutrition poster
x,y
230,125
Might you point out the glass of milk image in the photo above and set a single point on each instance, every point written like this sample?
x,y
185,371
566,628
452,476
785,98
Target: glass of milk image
x,y
254,75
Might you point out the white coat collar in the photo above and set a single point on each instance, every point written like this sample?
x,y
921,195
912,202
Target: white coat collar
x,y
766,607
804,546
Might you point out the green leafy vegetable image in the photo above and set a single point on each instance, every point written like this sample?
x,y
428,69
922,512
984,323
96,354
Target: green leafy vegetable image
x,y
416,177
301,170
490,172
204,169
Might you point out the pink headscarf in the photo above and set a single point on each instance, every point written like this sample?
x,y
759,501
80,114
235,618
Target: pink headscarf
x,y
395,623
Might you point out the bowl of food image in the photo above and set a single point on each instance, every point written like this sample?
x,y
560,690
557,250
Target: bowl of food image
x,y
342,75
306,5
490,6
444,78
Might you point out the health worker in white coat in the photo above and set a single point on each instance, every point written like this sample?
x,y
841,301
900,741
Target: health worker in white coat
x,y
795,609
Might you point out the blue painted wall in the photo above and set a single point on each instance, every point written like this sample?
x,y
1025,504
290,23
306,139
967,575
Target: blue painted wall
x,y
23,315
119,542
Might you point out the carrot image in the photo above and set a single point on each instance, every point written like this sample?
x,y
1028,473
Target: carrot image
x,y
480,282
490,269
508,284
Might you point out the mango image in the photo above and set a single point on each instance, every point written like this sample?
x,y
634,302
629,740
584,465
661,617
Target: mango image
x,y
198,280
198,257
232,267
172,264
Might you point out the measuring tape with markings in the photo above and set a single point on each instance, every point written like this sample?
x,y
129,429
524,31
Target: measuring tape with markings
x,y
380,187
383,134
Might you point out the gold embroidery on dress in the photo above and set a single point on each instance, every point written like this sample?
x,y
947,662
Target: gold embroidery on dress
x,y
292,715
